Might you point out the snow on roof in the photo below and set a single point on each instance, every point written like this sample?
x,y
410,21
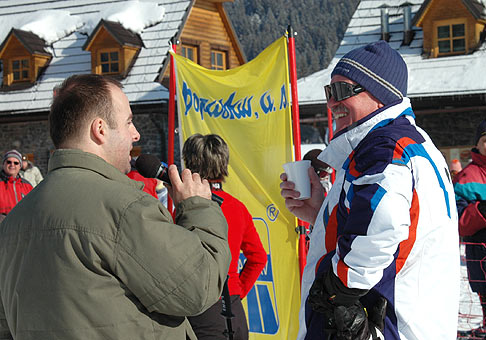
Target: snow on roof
x,y
463,74
157,21
50,25
132,15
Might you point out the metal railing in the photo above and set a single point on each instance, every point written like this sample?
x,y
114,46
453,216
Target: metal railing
x,y
470,317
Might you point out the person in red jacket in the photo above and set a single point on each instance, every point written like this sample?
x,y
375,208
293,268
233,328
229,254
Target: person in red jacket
x,y
470,190
209,156
12,187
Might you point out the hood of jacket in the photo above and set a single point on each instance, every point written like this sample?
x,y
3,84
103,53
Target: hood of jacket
x,y
477,158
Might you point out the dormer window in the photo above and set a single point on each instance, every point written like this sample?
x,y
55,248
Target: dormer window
x,y
451,38
451,32
113,48
23,56
20,69
109,60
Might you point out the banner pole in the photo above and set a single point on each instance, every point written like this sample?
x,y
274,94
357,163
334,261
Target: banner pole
x,y
296,133
171,119
330,135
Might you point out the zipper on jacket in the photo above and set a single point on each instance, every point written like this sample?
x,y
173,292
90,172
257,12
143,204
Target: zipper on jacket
x,y
15,191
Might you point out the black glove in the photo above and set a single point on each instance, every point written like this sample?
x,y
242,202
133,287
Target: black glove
x,y
328,291
353,323
344,315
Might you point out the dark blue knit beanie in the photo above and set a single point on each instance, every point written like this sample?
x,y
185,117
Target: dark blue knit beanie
x,y
377,67
480,131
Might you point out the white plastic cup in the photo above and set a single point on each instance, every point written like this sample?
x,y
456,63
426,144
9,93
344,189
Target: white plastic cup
x,y
297,172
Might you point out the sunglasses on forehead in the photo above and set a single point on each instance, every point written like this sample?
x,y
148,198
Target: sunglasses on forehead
x,y
341,90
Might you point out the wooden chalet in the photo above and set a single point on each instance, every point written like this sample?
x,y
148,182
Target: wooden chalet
x,y
98,37
443,44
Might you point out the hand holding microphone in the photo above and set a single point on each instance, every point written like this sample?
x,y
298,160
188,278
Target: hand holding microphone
x,y
181,186
151,167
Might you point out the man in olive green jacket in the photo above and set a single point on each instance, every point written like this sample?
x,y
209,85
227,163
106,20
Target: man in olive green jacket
x,y
87,254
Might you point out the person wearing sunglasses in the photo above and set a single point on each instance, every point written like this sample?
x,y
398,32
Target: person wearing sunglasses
x,y
12,187
383,261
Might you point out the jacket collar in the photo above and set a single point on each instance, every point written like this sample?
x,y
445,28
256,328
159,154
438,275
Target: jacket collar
x,y
74,158
6,178
341,146
477,158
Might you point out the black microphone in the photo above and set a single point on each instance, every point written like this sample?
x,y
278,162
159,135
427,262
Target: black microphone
x,y
151,167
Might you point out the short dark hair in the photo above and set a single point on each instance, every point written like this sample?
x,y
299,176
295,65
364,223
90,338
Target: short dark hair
x,y
207,155
76,101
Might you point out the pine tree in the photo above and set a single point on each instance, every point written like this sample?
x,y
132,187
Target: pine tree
x,y
320,26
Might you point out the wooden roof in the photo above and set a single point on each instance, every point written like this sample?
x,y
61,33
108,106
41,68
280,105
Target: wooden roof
x,y
122,35
69,58
476,8
32,43
142,85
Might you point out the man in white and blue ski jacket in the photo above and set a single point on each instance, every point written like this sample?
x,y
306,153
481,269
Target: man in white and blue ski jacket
x,y
383,261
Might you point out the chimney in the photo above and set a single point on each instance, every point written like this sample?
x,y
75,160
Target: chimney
x,y
385,28
408,33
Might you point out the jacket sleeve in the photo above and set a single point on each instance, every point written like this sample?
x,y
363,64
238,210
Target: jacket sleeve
x,y
471,220
174,269
467,195
256,257
461,204
378,201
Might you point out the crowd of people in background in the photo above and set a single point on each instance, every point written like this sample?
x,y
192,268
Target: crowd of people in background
x,y
18,177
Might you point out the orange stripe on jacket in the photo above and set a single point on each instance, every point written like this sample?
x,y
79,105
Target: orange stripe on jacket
x,y
406,245
402,143
331,235
342,272
331,231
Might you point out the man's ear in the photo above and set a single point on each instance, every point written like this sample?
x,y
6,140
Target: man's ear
x,y
98,130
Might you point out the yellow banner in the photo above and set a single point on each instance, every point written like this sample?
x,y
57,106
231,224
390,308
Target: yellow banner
x,y
249,107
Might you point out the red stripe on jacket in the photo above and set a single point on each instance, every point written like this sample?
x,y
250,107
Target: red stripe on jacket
x,y
407,245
